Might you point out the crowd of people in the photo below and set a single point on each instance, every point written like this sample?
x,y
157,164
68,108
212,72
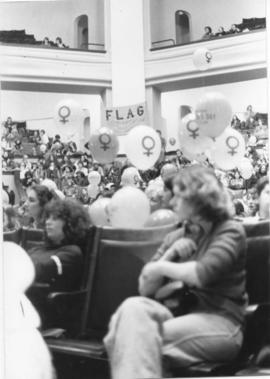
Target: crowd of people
x,y
58,43
245,26
204,257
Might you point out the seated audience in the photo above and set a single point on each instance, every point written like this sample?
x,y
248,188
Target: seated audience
x,y
207,33
59,43
157,330
221,32
234,29
46,42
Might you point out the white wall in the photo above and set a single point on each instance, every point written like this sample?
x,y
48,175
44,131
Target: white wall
x,y
53,18
214,13
37,108
240,94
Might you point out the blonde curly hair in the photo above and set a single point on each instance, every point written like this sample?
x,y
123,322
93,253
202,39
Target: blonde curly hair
x,y
200,187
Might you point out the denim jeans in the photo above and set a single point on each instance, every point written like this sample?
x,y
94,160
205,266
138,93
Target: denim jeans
x,y
142,333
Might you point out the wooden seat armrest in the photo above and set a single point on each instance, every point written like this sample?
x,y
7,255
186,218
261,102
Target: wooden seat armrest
x,y
66,295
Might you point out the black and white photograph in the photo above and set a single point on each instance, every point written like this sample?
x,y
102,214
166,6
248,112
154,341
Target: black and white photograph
x,y
135,189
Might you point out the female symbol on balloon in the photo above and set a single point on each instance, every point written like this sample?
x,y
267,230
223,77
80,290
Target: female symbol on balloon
x,y
148,147
105,141
233,145
208,56
194,131
64,115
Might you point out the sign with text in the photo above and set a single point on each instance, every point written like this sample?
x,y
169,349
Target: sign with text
x,y
122,119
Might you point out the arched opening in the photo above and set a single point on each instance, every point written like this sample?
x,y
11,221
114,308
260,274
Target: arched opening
x,y
182,27
81,32
184,110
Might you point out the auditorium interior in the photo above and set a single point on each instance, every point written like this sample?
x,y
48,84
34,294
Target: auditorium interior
x,y
81,82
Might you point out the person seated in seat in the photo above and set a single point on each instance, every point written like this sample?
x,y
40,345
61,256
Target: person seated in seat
x,y
221,32
58,260
46,42
207,33
34,208
234,29
59,43
207,254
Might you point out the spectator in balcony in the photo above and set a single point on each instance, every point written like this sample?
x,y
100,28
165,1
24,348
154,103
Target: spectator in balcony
x,y
221,32
46,42
59,43
44,139
234,29
207,33
235,123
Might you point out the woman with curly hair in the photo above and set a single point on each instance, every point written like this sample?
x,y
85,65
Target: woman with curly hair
x,y
34,207
205,256
58,260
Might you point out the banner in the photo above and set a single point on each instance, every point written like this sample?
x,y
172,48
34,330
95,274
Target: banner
x,y
122,119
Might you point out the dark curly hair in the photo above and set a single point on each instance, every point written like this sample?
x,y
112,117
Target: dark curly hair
x,y
75,217
44,195
200,187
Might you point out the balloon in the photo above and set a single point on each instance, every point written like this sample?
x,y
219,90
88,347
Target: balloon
x,y
168,170
213,114
129,208
252,141
68,113
190,137
245,168
94,177
104,145
202,59
93,190
228,149
130,177
60,194
172,141
143,146
43,148
162,217
98,212
50,184
18,268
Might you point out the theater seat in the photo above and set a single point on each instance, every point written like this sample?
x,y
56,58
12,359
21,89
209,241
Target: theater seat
x,y
62,310
13,236
257,318
118,263
120,255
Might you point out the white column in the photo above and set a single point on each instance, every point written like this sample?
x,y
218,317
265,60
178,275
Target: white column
x,y
127,52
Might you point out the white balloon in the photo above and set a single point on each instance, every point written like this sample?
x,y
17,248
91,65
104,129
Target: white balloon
x,y
143,146
245,168
213,114
93,190
68,114
228,149
129,208
94,177
131,177
202,59
98,212
190,137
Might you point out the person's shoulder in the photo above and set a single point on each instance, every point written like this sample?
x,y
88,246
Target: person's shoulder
x,y
70,249
233,226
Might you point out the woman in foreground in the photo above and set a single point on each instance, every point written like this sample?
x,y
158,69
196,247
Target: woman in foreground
x,y
157,330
